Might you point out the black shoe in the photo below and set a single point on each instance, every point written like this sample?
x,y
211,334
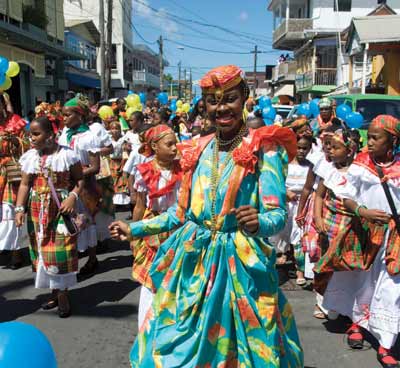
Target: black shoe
x,y
89,268
16,265
51,304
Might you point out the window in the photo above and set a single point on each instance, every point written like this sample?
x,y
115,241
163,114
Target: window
x,y
342,5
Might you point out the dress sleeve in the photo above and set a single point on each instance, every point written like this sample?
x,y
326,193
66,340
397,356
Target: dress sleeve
x,y
29,162
350,185
140,185
273,164
90,143
167,221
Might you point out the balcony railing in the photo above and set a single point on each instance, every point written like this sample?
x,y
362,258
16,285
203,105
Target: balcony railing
x,y
285,71
290,31
145,78
321,77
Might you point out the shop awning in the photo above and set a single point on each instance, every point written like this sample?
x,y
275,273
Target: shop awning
x,y
317,89
83,81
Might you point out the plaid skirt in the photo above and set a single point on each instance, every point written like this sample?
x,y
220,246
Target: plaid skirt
x,y
144,251
120,180
47,232
105,188
309,239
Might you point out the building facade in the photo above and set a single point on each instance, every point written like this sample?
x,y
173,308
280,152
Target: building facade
x,y
32,34
313,31
82,36
134,67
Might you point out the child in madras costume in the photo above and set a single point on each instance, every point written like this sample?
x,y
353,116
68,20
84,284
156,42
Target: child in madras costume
x,y
372,298
156,184
49,170
77,135
217,300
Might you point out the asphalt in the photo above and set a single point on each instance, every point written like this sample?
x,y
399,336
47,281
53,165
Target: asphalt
x,y
103,326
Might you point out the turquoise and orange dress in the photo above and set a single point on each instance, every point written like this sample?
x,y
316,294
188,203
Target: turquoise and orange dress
x,y
217,301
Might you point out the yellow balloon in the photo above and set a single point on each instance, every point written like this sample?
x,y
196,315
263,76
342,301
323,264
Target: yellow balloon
x,y
179,103
129,112
105,112
186,107
13,69
7,84
133,100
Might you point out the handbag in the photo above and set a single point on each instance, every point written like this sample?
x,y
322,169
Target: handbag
x,y
74,224
105,171
13,170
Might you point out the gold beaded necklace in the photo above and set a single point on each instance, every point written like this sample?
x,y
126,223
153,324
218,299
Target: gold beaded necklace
x,y
217,170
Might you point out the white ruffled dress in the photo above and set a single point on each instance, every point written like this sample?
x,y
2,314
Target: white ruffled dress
x,y
60,161
83,144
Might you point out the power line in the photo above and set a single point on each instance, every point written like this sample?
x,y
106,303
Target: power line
x,y
230,31
208,50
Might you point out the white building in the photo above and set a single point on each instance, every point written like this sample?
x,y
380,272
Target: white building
x,y
135,67
311,29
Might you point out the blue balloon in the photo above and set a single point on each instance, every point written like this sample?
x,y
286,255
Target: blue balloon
x,y
256,108
342,111
3,64
2,78
314,107
173,106
162,98
143,97
130,92
269,112
264,101
304,109
354,120
23,345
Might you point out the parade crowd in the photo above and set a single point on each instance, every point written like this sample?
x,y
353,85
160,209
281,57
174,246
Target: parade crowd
x,y
219,198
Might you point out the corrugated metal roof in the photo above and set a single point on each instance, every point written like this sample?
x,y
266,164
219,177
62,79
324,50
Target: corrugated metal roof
x,y
376,29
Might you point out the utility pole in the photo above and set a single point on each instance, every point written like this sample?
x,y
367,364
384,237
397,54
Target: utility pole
x,y
255,70
102,49
191,84
109,47
184,85
161,55
179,80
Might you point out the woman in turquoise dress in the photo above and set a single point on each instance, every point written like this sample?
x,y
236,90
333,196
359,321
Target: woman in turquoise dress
x,y
217,301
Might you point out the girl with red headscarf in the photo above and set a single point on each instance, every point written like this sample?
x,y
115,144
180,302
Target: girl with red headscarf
x,y
156,184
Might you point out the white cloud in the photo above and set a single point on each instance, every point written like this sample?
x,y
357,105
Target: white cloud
x,y
159,19
244,16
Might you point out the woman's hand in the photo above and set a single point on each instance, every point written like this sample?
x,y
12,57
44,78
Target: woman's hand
x,y
120,230
68,205
320,225
247,218
376,216
19,219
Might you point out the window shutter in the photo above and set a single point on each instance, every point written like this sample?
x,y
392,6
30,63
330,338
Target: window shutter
x,y
15,9
60,19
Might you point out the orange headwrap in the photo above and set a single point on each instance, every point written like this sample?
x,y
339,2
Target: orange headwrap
x,y
220,79
388,123
153,135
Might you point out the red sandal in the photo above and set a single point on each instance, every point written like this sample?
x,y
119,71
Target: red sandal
x,y
355,339
386,358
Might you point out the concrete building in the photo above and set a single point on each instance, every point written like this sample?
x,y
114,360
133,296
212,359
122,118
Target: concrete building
x,y
134,67
32,34
81,35
311,29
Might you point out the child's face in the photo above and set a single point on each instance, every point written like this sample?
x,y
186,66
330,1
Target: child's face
x,y
157,119
326,145
338,152
39,138
165,149
115,131
303,148
379,143
133,122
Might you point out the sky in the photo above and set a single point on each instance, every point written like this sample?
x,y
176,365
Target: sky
x,y
178,22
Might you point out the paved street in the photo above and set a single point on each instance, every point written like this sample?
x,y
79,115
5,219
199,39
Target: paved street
x,y
104,322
